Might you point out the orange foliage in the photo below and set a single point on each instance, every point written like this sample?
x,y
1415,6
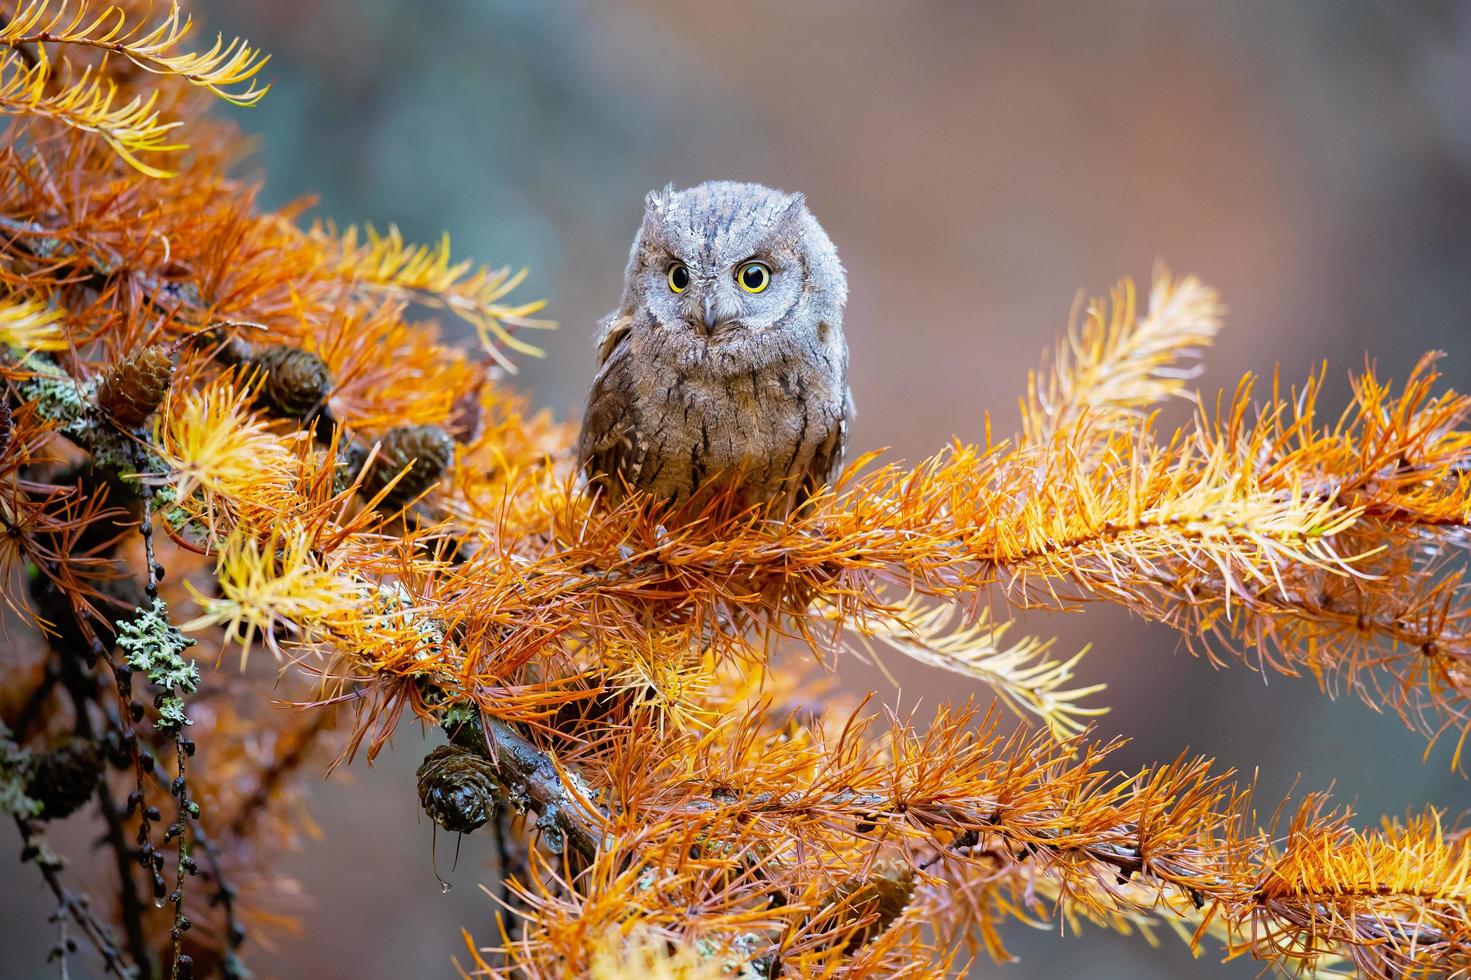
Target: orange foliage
x,y
693,816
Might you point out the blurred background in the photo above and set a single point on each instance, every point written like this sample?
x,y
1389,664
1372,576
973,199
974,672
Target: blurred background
x,y
977,167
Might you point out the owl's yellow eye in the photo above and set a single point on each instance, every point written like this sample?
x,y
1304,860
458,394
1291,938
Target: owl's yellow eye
x,y
679,277
754,276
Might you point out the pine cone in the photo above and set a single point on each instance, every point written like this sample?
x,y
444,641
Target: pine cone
x,y
64,778
457,788
428,448
295,383
883,893
134,387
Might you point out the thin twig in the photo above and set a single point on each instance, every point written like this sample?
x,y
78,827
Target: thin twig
x,y
180,788
96,932
83,690
63,941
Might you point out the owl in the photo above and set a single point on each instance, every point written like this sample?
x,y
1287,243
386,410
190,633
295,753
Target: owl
x,y
724,364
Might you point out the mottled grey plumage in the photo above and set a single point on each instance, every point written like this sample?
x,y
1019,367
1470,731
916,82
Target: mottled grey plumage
x,y
716,381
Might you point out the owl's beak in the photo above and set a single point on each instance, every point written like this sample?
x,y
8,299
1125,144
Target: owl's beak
x,y
711,319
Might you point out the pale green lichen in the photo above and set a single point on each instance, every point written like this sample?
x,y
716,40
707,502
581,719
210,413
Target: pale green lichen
x,y
166,504
115,451
171,715
152,644
60,398
56,395
736,956
15,763
71,404
460,713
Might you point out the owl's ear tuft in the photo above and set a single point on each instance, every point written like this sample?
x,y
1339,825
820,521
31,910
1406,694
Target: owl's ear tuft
x,y
654,204
656,201
787,216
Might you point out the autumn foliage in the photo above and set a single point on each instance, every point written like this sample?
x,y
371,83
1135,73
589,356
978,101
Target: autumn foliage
x,y
262,514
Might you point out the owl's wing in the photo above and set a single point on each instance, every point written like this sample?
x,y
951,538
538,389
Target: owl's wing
x,y
827,460
612,332
608,448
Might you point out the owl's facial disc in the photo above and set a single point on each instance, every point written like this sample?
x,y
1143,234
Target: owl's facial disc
x,y
716,298
695,294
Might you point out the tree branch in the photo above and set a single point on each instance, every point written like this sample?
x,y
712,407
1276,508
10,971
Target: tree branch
x,y
533,780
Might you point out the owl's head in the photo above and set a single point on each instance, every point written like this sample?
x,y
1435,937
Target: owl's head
x,y
727,262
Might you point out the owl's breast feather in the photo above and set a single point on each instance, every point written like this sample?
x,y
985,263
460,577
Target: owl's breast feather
x,y
766,423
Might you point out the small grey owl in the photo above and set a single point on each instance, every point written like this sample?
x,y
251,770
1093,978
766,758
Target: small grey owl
x,y
725,357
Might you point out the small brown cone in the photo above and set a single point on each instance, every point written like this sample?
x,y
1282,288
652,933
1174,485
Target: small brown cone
x,y
135,386
65,777
426,449
883,893
295,383
457,788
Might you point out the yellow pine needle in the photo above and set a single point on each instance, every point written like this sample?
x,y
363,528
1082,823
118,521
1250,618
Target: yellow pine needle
x,y
1404,877
213,442
1134,907
1337,864
88,104
1139,507
616,955
268,585
229,70
1023,676
1119,362
31,325
428,274
663,671
388,627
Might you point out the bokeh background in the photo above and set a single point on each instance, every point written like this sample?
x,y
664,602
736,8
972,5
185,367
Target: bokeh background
x,y
977,166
